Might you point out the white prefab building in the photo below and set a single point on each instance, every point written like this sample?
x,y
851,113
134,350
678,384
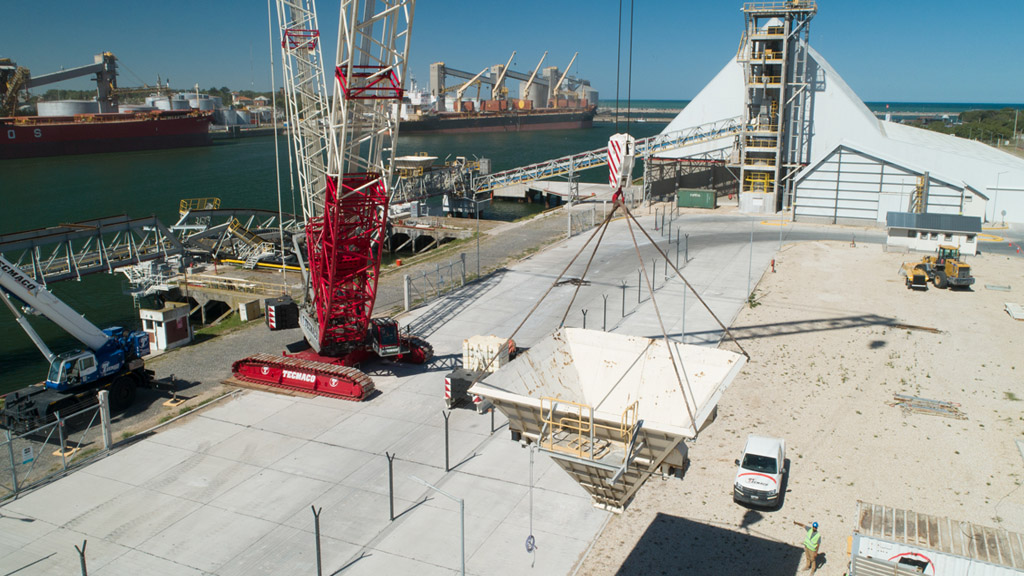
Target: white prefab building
x,y
926,232
858,168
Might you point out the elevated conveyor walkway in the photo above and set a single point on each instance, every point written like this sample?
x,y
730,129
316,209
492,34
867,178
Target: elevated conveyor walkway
x,y
645,148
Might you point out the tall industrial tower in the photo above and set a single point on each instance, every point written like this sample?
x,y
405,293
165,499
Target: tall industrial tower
x,y
774,143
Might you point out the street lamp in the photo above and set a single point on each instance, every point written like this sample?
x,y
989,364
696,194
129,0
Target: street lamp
x,y
462,511
476,207
995,202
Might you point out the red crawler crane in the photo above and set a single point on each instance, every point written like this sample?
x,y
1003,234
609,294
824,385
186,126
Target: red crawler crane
x,y
343,161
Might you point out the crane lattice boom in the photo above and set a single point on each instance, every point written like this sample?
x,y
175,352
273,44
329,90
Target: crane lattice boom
x,y
345,170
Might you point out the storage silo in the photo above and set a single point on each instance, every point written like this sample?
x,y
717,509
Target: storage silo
x,y
68,107
159,102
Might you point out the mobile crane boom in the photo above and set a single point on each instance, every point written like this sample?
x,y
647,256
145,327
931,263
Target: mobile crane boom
x,y
112,358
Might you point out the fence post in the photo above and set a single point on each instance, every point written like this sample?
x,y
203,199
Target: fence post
x,y
584,310
104,399
316,531
391,483
623,298
462,256
604,323
678,234
682,330
81,557
639,281
446,415
14,470
60,433
686,249
437,279
408,299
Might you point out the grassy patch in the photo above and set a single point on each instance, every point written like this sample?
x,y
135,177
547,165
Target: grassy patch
x,y
228,324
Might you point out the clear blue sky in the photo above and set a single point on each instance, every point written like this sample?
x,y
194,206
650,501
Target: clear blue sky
x,y
887,50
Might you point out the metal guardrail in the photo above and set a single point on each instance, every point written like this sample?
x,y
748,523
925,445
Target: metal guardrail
x,y
645,148
230,284
89,247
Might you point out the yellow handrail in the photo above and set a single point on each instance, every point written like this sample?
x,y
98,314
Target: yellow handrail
x,y
189,204
576,418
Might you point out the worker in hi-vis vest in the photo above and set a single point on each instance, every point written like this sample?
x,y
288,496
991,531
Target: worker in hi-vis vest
x,y
812,541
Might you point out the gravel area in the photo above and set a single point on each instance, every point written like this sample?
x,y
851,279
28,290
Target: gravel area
x,y
834,336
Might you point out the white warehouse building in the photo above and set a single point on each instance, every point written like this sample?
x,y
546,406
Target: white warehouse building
x,y
851,167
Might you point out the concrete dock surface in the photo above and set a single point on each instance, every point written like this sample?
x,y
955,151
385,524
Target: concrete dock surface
x,y
229,490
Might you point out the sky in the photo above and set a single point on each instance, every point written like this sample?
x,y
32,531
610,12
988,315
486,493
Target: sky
x,y
886,50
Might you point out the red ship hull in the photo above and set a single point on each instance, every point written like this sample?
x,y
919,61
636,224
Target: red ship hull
x,y
509,121
36,136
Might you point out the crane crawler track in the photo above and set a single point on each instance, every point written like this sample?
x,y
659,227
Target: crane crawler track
x,y
319,378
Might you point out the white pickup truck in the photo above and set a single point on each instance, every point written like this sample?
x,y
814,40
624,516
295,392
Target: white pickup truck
x,y
759,477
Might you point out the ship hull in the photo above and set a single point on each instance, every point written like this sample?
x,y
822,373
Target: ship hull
x,y
499,122
101,133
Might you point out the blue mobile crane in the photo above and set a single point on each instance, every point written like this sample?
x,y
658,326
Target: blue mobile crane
x,y
111,360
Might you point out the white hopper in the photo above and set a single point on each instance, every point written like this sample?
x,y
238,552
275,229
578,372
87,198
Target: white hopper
x,y
579,394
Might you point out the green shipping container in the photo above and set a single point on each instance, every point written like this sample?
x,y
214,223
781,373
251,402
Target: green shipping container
x,y
688,198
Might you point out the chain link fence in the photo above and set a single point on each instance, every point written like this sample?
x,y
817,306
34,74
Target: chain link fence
x,y
30,458
431,284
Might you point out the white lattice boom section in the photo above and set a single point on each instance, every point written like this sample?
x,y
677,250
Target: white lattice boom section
x,y
305,91
344,242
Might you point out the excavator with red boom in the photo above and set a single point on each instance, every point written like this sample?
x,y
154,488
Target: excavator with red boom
x,y
343,150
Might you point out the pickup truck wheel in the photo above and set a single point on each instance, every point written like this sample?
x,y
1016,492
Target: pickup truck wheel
x,y
122,393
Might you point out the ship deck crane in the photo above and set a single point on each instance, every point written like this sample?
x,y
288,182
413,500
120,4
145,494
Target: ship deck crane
x,y
499,87
112,358
525,91
343,148
558,85
462,89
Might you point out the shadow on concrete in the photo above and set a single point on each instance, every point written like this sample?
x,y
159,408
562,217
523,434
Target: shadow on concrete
x,y
802,327
453,303
674,545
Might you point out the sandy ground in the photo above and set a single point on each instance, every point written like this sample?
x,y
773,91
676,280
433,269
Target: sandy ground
x,y
826,359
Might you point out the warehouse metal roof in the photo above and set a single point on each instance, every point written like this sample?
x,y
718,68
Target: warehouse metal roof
x,y
841,118
934,222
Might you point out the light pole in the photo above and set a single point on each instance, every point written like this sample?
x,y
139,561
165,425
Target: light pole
x,y
462,511
476,208
995,202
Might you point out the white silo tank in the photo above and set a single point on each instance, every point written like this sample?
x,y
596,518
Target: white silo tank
x,y
68,107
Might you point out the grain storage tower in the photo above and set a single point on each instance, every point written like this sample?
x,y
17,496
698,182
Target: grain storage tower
x,y
773,144
810,145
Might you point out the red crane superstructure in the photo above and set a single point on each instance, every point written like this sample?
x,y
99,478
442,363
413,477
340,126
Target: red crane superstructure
x,y
343,149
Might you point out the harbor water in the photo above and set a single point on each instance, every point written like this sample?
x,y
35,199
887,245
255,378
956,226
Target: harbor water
x,y
42,192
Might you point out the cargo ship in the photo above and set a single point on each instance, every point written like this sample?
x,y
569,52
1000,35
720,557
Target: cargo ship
x,y
509,120
36,136
549,99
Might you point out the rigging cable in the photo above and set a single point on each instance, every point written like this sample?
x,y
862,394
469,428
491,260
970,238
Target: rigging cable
x,y
277,157
618,68
629,82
